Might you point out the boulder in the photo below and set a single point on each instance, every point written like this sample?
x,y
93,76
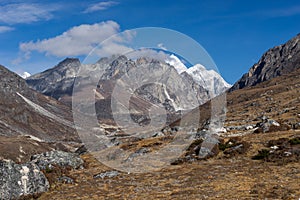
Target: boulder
x,y
65,180
59,158
18,180
108,174
267,125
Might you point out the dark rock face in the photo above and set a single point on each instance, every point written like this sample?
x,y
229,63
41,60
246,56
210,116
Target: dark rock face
x,y
277,61
21,180
60,158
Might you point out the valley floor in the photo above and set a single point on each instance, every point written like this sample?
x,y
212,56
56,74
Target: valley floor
x,y
238,177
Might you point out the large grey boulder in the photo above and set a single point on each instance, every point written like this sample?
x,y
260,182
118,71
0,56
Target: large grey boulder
x,y
17,180
60,158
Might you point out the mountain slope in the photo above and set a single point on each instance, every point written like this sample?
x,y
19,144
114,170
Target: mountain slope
x,y
26,112
277,61
57,81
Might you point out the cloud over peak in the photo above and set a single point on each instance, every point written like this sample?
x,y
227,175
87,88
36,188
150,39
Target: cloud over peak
x,y
81,40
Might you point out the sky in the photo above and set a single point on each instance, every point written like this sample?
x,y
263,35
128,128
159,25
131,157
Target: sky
x,y
36,35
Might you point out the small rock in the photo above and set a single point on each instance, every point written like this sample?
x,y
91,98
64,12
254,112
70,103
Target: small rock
x,y
142,150
158,134
296,125
109,174
175,129
81,150
273,122
266,124
66,180
274,147
287,153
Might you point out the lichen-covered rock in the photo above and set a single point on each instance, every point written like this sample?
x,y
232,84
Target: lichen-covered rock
x,y
59,158
65,179
109,174
18,180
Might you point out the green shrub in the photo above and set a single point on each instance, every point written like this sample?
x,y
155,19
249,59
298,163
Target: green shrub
x,y
294,141
262,154
48,170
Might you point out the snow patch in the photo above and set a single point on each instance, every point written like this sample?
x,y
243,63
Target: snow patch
x,y
25,75
21,150
35,138
45,112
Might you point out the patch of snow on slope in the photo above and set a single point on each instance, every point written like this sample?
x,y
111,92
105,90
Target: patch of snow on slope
x,y
45,112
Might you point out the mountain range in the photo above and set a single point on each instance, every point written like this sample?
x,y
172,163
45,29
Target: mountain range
x,y
57,81
255,154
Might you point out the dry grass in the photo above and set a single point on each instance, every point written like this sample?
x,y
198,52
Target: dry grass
x,y
238,177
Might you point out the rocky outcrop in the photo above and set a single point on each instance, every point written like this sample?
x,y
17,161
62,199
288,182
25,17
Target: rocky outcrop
x,y
59,158
277,61
18,180
108,174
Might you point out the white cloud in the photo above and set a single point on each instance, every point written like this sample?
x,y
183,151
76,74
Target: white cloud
x,y
100,6
148,53
161,46
81,40
5,29
16,13
159,55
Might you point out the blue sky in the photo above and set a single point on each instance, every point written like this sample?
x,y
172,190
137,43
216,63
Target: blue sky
x,y
35,36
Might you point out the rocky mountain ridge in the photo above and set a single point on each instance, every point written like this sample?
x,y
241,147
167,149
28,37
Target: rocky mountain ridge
x,y
57,82
277,61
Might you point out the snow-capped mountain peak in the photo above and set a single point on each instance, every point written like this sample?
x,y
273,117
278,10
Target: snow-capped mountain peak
x,y
25,75
208,79
176,62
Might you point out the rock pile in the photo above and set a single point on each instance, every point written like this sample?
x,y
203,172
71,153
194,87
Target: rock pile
x,y
17,180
